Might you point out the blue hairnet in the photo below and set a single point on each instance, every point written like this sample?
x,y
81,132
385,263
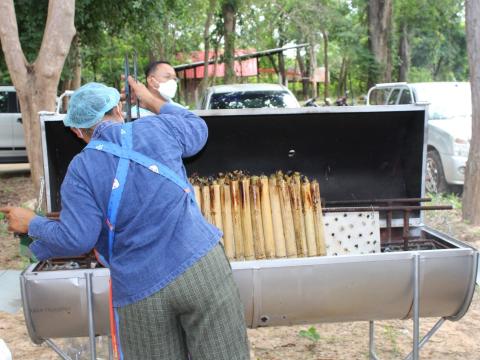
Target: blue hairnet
x,y
89,103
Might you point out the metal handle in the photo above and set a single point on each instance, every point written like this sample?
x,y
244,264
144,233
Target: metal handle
x,y
128,95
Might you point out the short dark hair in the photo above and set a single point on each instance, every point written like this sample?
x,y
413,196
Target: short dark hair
x,y
153,66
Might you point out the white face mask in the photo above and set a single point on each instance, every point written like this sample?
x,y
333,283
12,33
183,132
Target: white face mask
x,y
167,89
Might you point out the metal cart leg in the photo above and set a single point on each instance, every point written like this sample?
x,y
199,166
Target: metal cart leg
x,y
417,344
59,351
91,327
427,336
416,305
91,320
371,343
110,348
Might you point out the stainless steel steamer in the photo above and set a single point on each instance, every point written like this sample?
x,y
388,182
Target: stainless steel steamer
x,y
357,154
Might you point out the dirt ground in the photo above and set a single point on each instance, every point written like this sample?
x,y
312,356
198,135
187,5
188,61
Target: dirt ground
x,y
454,340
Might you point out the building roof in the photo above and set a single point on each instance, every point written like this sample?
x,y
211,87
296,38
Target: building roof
x,y
240,57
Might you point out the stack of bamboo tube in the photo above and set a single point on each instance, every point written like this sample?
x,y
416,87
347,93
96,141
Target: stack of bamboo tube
x,y
263,217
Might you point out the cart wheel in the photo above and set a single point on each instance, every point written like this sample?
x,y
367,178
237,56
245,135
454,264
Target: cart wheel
x,y
435,181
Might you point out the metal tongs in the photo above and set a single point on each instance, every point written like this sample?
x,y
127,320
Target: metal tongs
x,y
128,94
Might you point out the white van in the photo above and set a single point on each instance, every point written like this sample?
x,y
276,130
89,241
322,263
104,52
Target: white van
x,y
449,125
12,141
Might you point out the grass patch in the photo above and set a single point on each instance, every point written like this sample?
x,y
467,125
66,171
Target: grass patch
x,y
392,335
3,229
448,199
310,334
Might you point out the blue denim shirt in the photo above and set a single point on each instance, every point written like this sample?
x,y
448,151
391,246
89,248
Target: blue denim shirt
x,y
159,233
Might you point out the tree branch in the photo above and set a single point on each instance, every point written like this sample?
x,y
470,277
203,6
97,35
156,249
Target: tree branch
x,y
12,49
55,46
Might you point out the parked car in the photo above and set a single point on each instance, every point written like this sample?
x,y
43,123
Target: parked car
x,y
241,96
449,125
12,141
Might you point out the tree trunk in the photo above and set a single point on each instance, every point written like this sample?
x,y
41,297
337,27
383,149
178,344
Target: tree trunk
x,y
77,64
281,68
404,54
304,74
274,64
342,79
437,67
206,40
36,83
471,191
379,34
281,56
313,65
325,56
229,20
215,64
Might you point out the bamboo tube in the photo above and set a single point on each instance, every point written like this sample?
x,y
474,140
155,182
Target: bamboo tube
x,y
267,217
278,234
215,207
300,239
318,219
237,219
309,219
287,219
248,242
257,219
298,184
198,195
279,175
228,237
206,211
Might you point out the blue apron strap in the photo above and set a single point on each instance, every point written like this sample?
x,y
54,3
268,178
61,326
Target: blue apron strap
x,y
159,168
117,187
107,147
149,163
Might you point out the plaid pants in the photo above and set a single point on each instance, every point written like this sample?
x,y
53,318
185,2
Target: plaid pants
x,y
199,315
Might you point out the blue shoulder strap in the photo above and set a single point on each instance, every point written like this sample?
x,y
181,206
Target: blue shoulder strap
x,y
149,163
118,186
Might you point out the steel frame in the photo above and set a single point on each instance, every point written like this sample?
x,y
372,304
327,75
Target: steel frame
x,y
417,344
91,328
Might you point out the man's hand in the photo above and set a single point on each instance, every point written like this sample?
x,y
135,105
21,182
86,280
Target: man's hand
x,y
148,100
18,218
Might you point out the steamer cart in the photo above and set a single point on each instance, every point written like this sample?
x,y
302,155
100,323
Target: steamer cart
x,y
365,158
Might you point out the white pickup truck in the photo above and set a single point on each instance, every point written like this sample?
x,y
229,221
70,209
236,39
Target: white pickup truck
x,y
12,142
449,125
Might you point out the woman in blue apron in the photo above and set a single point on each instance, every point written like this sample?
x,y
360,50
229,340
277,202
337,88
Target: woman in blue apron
x,y
127,196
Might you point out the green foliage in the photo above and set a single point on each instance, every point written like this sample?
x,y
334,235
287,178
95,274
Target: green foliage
x,y
437,34
172,29
420,74
31,19
310,334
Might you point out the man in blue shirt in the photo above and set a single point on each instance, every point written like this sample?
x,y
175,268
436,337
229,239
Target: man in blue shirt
x,y
127,195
